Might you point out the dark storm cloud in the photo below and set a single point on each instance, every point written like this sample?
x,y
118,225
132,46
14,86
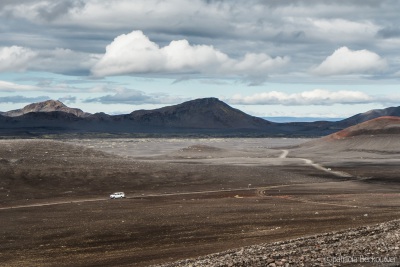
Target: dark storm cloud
x,y
4,3
305,31
59,8
389,32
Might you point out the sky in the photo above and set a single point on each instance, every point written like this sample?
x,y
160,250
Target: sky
x,y
311,58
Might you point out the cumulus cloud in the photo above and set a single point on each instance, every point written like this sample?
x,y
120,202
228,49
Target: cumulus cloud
x,y
135,97
135,53
225,30
346,61
15,58
314,97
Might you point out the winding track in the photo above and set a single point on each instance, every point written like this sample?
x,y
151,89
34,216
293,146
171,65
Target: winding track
x,y
284,154
262,191
317,166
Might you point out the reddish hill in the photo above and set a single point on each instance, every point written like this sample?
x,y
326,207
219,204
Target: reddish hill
x,y
377,138
381,125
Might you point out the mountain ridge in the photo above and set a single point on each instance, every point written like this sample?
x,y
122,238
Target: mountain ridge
x,y
199,113
46,106
209,116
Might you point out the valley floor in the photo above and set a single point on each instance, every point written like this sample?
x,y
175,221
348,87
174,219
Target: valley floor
x,y
185,198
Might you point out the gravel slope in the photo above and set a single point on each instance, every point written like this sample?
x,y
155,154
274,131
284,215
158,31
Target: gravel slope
x,y
376,245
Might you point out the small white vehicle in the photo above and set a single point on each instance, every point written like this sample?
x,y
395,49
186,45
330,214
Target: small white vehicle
x,y
117,195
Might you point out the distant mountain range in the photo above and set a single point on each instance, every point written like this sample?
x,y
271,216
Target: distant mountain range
x,y
284,119
206,116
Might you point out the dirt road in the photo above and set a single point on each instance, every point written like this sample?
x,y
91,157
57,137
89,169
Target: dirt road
x,y
142,196
317,166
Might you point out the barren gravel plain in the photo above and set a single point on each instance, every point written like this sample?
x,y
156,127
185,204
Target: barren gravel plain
x,y
187,198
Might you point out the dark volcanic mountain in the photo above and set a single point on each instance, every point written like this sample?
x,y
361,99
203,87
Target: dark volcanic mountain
x,y
208,116
46,106
205,113
200,116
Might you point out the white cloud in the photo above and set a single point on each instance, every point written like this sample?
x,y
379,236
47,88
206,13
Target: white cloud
x,y
346,61
348,30
134,53
22,99
11,87
58,60
314,97
61,60
68,99
135,97
47,86
181,56
15,58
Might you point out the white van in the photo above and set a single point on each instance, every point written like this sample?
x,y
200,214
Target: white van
x,y
117,195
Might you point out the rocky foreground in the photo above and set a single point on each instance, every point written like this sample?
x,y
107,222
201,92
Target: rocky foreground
x,y
376,245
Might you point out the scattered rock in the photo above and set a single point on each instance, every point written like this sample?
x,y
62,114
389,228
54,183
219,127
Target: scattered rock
x,y
4,161
380,241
